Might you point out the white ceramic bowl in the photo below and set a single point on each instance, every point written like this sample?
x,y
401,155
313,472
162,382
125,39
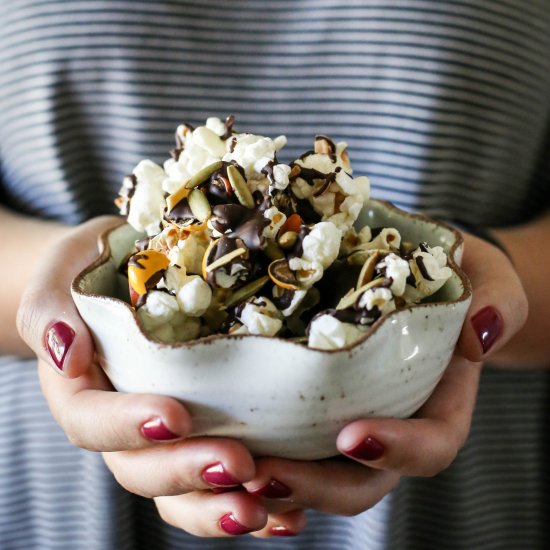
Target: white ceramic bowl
x,y
278,397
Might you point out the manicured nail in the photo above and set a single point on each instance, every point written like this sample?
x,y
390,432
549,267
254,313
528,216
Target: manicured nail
x,y
368,449
273,489
281,531
59,338
487,324
216,475
156,430
230,525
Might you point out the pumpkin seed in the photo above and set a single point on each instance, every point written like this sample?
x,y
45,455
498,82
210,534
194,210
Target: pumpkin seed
x,y
203,174
246,291
199,205
273,251
239,186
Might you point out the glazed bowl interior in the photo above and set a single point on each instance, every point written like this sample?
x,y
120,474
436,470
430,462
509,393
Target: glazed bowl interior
x,y
279,397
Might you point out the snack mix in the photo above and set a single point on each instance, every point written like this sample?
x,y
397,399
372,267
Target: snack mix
x,y
239,243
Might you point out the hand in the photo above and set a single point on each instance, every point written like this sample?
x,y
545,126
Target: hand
x,y
100,420
142,435
424,445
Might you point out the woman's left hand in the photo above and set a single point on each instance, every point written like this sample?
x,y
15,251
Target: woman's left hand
x,y
379,451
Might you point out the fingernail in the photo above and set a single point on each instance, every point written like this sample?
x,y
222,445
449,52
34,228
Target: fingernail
x,y
273,489
487,324
281,531
230,525
156,430
368,449
215,474
59,338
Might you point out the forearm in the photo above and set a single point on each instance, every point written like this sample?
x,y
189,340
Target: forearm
x,y
529,249
25,242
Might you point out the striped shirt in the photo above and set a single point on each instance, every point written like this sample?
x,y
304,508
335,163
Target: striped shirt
x,y
444,104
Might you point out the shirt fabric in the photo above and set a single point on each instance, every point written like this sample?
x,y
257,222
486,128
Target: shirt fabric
x,y
445,105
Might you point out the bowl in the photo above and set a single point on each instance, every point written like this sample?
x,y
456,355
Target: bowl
x,y
278,397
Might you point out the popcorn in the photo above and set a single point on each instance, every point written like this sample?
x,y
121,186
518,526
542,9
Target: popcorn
x,y
428,267
159,308
194,296
381,298
320,248
229,225
327,332
145,206
397,269
189,252
325,181
260,316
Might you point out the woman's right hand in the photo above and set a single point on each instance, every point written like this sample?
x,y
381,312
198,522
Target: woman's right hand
x,y
142,436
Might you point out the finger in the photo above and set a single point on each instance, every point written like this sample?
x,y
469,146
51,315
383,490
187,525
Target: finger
x,y
331,486
47,319
205,514
426,444
499,304
101,420
287,524
193,464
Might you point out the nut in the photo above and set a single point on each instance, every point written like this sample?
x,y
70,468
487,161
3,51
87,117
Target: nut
x,y
351,297
199,205
176,197
367,271
280,273
225,259
239,186
288,239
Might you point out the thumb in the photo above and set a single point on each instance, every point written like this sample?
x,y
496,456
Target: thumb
x,y
499,304
47,319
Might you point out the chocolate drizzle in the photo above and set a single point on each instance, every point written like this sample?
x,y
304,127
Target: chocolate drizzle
x,y
422,268
312,175
240,267
229,122
126,192
181,213
329,143
237,221
268,171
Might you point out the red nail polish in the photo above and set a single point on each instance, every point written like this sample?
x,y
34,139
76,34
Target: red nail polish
x,y
273,489
59,338
156,430
487,324
368,449
230,525
281,531
215,474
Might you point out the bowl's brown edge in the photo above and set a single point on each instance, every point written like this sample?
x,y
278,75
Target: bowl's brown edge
x,y
105,254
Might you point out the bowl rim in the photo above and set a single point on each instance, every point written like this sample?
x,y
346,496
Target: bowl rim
x,y
104,254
